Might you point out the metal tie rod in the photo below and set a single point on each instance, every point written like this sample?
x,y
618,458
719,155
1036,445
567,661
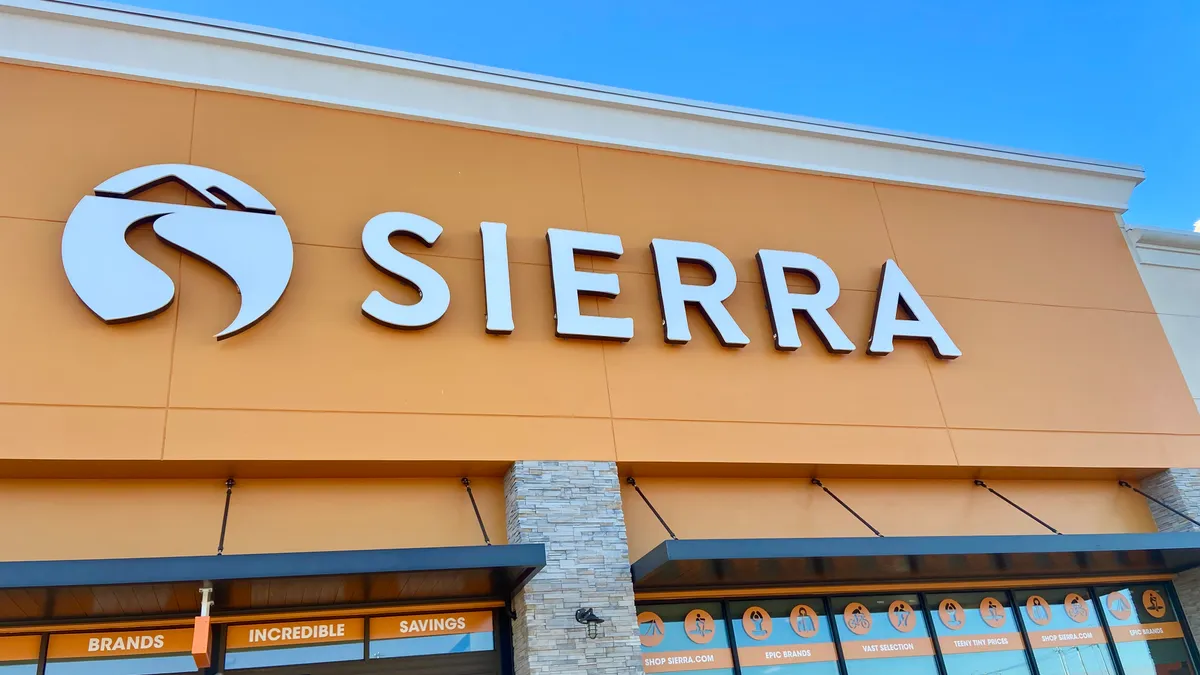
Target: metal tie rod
x,y
229,483
1017,506
467,484
1160,503
653,510
846,506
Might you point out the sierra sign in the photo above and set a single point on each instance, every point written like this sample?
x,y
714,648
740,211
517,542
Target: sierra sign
x,y
253,248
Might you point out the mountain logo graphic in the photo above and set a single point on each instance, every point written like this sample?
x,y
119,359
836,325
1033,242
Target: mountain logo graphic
x,y
251,246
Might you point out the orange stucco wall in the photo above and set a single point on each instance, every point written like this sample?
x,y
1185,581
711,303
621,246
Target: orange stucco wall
x,y
1065,365
85,519
710,508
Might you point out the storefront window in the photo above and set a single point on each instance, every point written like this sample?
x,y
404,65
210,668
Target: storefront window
x,y
684,637
978,634
1147,633
884,635
1064,631
783,637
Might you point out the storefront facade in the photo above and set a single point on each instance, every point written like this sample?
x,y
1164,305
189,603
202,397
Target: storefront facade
x,y
504,354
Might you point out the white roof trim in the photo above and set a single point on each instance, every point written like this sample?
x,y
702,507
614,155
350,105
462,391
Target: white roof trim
x,y
1164,238
1152,246
173,49
1165,248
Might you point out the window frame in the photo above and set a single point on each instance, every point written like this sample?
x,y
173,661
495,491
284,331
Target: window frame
x,y
1009,595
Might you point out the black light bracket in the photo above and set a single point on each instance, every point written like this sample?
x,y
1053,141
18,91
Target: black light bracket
x,y
846,506
1160,503
653,510
229,483
1016,506
586,616
467,484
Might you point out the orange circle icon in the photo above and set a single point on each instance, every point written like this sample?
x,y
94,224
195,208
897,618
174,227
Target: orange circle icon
x,y
1118,605
650,629
857,618
992,612
757,623
952,614
1154,604
1076,607
804,621
902,616
699,626
1038,610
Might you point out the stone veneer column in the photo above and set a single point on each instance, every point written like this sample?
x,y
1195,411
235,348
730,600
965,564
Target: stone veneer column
x,y
1179,488
574,508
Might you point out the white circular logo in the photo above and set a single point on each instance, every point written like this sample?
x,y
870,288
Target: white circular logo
x,y
251,246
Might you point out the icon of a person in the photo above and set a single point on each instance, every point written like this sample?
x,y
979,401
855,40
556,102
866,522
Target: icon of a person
x,y
857,620
992,607
804,621
902,616
1039,610
1076,608
757,618
701,629
1153,606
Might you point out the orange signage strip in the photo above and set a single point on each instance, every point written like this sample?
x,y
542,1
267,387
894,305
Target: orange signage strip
x,y
420,625
1041,639
20,649
883,649
989,642
676,662
1140,632
294,633
784,655
118,644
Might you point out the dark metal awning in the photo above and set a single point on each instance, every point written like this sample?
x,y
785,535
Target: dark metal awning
x,y
726,563
93,589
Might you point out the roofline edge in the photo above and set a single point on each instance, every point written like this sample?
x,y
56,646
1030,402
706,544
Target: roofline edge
x,y
172,49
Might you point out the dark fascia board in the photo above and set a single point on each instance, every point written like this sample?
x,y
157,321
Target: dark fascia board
x,y
520,560
1182,547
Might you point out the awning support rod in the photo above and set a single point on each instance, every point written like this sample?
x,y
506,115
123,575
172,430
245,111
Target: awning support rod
x,y
229,483
653,510
1156,501
846,506
1017,506
467,484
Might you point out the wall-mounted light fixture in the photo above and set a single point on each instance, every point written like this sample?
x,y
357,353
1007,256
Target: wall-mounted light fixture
x,y
588,617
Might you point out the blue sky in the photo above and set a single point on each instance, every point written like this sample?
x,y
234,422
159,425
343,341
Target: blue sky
x,y
1103,79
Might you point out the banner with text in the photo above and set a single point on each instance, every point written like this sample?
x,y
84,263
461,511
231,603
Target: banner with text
x,y
1042,639
967,644
699,659
883,649
424,634
131,652
294,643
1147,631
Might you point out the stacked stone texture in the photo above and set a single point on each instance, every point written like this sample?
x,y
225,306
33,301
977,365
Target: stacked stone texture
x,y
1179,489
574,508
